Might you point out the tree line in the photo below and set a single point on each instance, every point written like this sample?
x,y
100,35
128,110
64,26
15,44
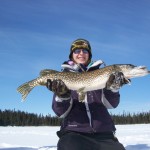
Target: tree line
x,y
135,118
21,118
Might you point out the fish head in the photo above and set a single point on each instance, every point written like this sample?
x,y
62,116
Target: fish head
x,y
131,71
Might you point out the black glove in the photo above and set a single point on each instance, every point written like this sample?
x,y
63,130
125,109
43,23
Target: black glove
x,y
59,88
116,81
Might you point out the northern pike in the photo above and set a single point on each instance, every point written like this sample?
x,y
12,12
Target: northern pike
x,y
85,81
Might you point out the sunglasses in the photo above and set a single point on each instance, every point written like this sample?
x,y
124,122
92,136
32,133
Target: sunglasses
x,y
78,51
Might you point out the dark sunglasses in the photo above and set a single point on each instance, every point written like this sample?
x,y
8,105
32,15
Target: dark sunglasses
x,y
78,51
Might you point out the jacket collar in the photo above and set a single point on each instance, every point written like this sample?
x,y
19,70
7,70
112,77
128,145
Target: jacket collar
x,y
71,66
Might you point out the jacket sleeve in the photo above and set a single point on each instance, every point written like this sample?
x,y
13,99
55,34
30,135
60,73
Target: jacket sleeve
x,y
110,99
61,107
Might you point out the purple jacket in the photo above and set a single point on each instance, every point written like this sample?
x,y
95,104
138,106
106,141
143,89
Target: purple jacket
x,y
91,116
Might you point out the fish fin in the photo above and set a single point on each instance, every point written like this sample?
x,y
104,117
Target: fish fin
x,y
26,88
81,89
81,94
47,71
127,81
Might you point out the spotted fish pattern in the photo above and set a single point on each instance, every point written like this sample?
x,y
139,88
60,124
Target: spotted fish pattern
x,y
85,81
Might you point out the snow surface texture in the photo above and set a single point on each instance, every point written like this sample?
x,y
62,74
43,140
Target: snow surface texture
x,y
133,137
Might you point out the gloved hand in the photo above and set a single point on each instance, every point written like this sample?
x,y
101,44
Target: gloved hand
x,y
59,88
116,81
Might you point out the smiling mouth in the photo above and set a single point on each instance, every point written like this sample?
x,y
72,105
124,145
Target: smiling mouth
x,y
81,58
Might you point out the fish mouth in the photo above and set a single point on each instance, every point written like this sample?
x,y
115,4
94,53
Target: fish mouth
x,y
141,67
138,72
144,68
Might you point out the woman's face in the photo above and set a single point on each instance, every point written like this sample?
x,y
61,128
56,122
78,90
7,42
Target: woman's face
x,y
80,56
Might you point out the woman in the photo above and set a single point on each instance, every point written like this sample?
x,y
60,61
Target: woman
x,y
88,125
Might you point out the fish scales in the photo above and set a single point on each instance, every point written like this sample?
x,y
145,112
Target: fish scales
x,y
85,81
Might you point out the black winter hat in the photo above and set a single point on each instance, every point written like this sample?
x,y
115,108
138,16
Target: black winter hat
x,y
80,43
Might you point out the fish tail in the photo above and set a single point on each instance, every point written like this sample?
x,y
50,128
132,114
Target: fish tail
x,y
26,88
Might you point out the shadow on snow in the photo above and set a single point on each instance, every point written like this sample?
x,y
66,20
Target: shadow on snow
x,y
138,147
28,148
129,147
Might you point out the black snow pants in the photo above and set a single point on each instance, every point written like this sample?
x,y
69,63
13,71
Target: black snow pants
x,y
87,141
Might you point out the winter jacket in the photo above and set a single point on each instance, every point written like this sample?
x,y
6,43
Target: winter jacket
x,y
92,115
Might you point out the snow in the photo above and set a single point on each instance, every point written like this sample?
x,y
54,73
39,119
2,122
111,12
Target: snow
x,y
133,137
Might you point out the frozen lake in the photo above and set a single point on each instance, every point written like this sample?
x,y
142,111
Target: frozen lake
x,y
133,137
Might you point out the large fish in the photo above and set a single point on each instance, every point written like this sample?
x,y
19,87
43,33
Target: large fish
x,y
86,81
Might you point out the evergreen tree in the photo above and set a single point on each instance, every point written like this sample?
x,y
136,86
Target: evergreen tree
x,y
21,118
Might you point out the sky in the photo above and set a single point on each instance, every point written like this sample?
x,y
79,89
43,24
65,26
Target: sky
x,y
36,35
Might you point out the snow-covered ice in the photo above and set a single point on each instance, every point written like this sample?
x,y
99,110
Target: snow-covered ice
x,y
133,137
